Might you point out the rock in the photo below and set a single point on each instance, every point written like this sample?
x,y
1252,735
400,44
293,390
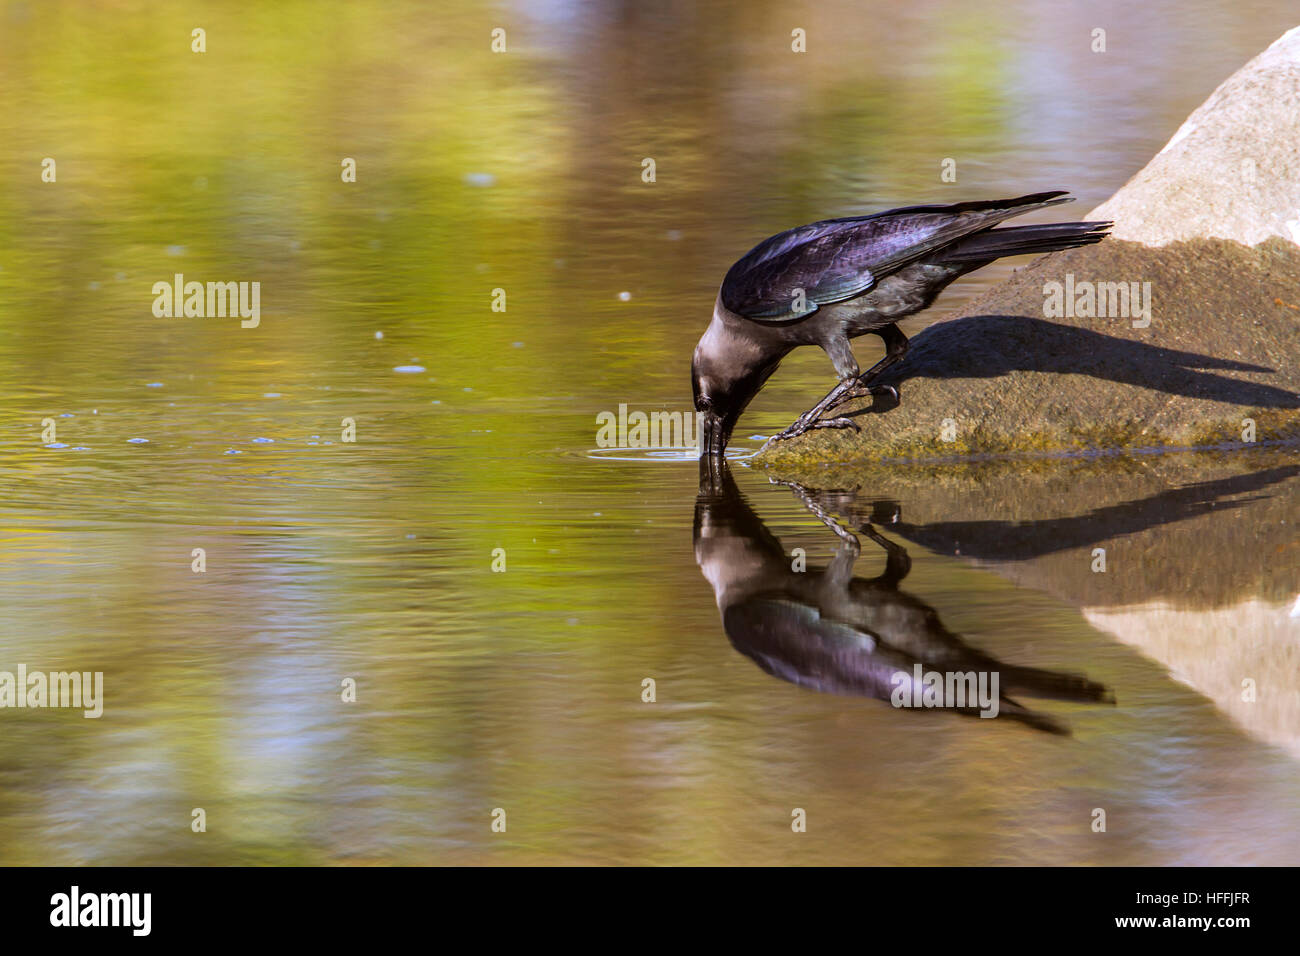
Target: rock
x,y
1213,254
1232,170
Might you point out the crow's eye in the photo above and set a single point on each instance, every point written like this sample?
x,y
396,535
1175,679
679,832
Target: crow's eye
x,y
703,403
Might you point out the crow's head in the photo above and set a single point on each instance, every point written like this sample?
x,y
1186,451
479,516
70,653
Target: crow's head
x,y
727,371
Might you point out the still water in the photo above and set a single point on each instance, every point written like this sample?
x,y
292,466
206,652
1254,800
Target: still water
x,y
372,560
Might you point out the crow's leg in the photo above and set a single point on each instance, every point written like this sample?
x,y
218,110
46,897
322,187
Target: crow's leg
x,y
841,393
809,418
895,348
852,384
897,561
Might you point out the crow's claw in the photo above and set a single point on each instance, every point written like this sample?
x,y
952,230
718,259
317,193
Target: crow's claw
x,y
837,423
798,428
806,425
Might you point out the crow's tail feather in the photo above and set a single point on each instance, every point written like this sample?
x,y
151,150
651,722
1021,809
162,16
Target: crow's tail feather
x,y
1025,240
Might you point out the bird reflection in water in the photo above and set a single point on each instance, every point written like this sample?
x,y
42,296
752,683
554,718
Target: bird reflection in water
x,y
840,634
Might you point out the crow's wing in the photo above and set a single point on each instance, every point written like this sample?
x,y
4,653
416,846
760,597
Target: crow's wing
x,y
838,259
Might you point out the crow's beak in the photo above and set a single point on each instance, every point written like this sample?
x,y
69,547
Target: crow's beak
x,y
713,435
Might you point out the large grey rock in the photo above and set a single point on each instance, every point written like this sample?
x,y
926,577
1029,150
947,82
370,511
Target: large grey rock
x,y
1232,170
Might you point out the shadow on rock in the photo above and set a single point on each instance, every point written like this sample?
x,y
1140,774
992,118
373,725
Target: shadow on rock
x,y
989,346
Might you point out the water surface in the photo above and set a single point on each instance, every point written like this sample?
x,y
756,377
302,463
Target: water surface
x,y
372,560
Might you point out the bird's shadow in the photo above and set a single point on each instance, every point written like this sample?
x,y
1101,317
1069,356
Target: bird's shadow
x,y
986,346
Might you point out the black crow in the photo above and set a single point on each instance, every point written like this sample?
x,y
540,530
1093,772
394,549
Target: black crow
x,y
831,281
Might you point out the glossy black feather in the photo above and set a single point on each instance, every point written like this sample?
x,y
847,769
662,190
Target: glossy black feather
x,y
839,259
